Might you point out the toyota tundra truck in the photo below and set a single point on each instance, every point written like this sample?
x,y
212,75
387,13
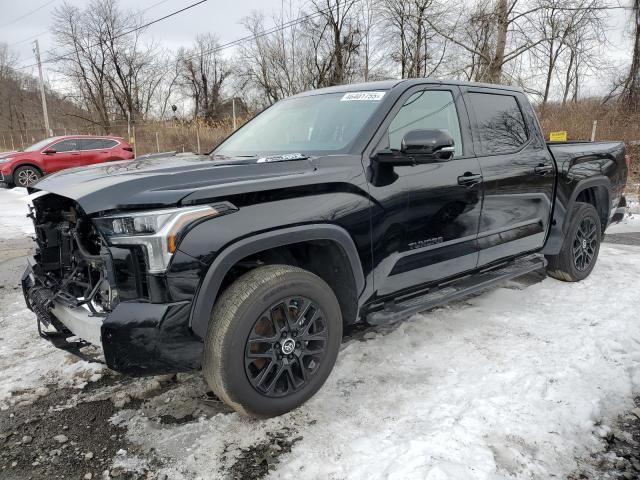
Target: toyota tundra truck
x,y
358,203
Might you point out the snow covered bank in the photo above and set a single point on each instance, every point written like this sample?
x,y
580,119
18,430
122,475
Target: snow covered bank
x,y
28,363
629,224
13,221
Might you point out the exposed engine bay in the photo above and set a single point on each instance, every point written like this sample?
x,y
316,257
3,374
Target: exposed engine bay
x,y
73,266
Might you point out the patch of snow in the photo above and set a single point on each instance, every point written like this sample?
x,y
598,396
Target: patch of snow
x,y
633,203
28,363
629,224
510,384
14,222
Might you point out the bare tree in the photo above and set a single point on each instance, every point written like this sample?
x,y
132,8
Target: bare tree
x,y
334,33
414,45
203,73
274,66
631,85
565,28
493,33
8,61
115,74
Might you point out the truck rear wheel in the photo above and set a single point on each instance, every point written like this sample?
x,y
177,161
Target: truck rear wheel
x,y
580,247
273,340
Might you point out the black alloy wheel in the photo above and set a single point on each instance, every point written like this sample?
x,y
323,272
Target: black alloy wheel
x,y
273,339
286,347
579,252
585,243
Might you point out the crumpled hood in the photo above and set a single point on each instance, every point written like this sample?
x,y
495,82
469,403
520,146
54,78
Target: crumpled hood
x,y
155,182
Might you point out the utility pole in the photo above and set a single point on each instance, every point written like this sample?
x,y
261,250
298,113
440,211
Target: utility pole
x,y
233,106
36,51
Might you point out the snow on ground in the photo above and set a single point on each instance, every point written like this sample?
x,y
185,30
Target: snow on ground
x,y
514,383
629,224
29,363
14,223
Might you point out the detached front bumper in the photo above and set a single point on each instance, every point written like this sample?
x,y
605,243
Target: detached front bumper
x,y
137,338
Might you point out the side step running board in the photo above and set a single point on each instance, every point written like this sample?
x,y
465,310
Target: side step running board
x,y
454,291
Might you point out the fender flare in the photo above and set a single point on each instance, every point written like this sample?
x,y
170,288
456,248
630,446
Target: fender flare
x,y
208,291
553,245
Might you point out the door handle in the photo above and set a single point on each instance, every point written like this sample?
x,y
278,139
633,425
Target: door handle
x,y
543,169
469,179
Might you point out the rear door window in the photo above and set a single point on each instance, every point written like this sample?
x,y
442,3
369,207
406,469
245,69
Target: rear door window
x,y
90,143
501,126
108,143
70,145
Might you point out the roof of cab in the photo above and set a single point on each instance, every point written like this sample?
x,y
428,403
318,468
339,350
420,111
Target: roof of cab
x,y
406,83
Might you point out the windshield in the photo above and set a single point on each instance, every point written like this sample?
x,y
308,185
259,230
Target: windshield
x,y
40,145
315,123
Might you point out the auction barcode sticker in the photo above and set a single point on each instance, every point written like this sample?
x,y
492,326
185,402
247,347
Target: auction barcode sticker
x,y
362,96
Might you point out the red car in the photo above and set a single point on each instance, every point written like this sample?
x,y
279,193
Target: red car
x,y
25,167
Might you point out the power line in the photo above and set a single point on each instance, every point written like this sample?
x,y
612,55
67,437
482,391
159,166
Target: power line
x,y
27,39
152,22
283,26
153,6
28,13
45,31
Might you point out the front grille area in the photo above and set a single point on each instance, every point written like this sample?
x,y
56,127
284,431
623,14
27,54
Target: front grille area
x,y
71,260
141,269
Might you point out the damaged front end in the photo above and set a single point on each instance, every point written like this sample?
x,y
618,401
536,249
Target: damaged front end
x,y
82,284
69,281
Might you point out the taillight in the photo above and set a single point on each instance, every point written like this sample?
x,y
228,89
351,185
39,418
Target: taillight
x,y
627,160
129,149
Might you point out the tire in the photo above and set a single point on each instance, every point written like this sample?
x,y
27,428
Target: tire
x,y
566,266
254,304
26,176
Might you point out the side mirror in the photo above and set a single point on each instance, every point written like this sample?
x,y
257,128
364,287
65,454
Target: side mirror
x,y
48,151
428,145
386,156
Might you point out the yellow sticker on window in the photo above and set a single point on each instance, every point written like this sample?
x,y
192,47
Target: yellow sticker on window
x,y
558,136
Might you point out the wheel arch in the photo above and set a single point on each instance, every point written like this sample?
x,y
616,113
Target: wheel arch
x,y
26,164
594,190
212,283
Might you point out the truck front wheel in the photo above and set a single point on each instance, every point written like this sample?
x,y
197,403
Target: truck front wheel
x,y
273,340
580,247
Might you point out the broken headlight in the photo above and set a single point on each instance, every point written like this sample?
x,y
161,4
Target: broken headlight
x,y
158,231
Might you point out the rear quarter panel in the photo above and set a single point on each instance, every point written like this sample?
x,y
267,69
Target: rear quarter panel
x,y
583,165
581,161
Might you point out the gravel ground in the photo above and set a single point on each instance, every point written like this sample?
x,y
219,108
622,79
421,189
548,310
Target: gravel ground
x,y
620,458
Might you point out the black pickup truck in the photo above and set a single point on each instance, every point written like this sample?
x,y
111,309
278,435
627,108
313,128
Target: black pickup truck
x,y
357,203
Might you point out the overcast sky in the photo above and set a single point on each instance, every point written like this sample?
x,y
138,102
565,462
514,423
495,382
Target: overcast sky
x,y
221,17
217,16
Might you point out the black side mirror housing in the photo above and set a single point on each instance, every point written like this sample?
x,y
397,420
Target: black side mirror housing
x,y
386,156
428,145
